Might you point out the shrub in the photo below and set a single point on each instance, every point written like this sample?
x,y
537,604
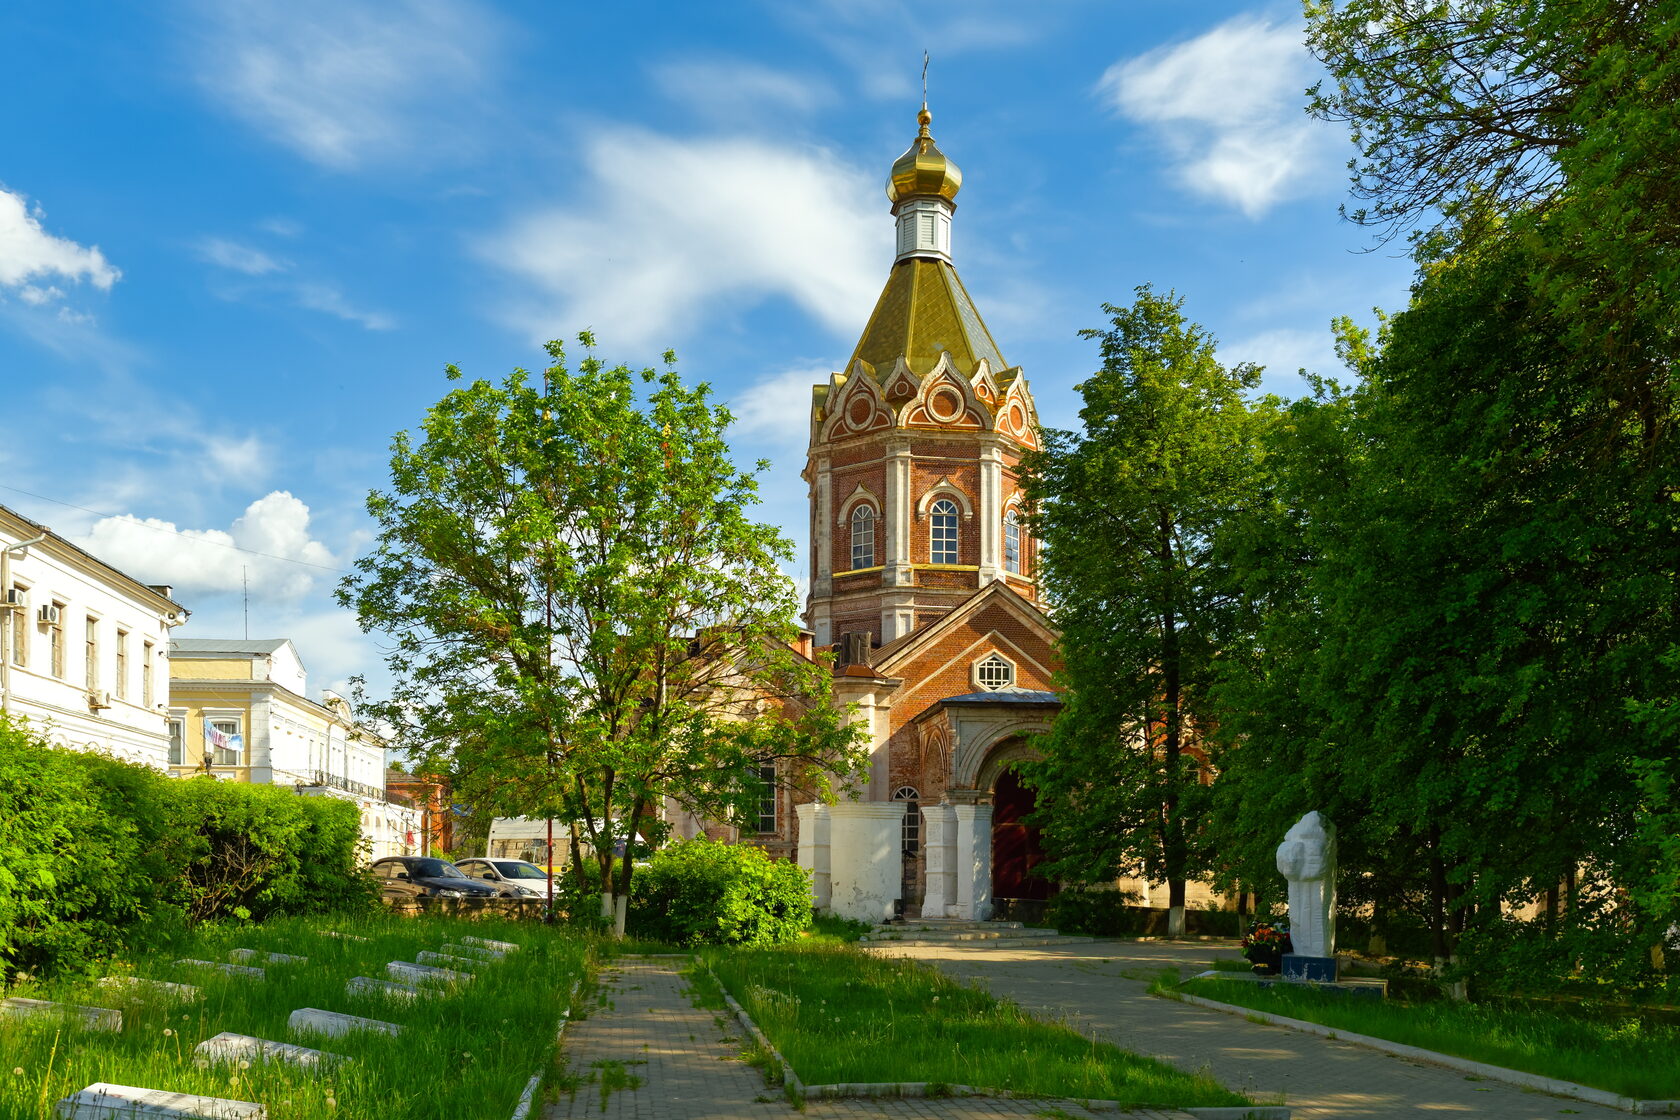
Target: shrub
x,y
1095,913
699,892
97,853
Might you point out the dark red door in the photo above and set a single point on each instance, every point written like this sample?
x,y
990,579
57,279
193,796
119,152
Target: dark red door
x,y
1015,848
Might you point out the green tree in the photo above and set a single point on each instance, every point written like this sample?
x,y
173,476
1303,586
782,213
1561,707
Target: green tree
x,y
1566,110
586,623
1470,667
1127,510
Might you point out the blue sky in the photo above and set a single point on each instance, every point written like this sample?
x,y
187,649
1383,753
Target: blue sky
x,y
239,241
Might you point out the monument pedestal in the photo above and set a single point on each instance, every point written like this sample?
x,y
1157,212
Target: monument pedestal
x,y
1315,970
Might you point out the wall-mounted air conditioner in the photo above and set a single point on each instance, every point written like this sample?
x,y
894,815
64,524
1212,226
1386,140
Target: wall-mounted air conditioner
x,y
15,597
50,613
98,698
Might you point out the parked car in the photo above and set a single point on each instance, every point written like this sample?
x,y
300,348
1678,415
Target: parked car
x,y
529,880
428,877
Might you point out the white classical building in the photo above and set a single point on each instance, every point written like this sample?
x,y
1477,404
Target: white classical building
x,y
83,648
240,711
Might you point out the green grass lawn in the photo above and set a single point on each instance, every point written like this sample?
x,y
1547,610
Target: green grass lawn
x,y
1636,1057
460,1057
840,1015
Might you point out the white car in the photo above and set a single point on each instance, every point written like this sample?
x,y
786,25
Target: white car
x,y
528,879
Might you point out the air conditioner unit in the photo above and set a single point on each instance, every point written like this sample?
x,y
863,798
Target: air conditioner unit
x,y
99,698
16,597
50,613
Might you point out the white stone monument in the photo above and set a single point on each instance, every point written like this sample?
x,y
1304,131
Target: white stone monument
x,y
866,862
1307,858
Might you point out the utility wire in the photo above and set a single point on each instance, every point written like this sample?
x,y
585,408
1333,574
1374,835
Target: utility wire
x,y
132,520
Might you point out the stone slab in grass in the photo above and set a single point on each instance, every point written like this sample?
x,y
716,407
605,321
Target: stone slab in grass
x,y
504,946
444,960
475,951
89,1018
368,986
152,987
244,972
333,1024
344,936
426,974
230,1047
105,1101
245,956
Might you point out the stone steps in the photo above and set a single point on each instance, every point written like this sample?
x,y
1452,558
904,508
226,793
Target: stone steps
x,y
105,1101
975,935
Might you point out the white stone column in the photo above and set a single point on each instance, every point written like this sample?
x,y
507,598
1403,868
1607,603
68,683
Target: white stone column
x,y
898,521
991,513
973,865
814,850
866,862
940,843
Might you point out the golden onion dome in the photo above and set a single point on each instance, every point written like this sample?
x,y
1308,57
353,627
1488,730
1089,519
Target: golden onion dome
x,y
924,169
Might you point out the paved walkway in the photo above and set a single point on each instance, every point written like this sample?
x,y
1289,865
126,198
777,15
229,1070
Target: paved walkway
x,y
690,1068
1102,985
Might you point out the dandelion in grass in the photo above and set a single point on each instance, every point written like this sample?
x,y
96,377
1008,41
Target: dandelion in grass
x,y
244,1065
168,1032
17,1071
331,1103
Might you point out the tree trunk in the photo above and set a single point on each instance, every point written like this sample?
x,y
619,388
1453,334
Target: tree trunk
x,y
1175,849
1175,909
626,866
1437,899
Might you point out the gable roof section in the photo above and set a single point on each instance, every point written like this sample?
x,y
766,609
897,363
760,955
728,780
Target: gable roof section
x,y
895,654
136,587
262,646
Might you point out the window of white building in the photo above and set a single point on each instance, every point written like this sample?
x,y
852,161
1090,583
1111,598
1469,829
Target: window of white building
x,y
863,537
177,740
942,532
122,664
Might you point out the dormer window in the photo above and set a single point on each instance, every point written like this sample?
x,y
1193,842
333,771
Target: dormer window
x,y
863,537
994,673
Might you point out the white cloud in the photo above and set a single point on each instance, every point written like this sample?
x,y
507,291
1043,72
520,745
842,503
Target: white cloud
x,y
238,258
325,297
28,252
880,41
346,84
1285,351
1229,104
673,228
775,411
312,295
735,92
256,547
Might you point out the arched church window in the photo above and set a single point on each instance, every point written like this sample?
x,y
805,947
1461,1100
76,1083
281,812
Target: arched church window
x,y
1011,543
912,829
994,673
943,532
863,537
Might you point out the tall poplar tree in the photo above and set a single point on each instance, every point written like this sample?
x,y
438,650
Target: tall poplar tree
x,y
586,623
1127,509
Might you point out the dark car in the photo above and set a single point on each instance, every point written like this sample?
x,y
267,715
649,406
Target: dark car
x,y
427,877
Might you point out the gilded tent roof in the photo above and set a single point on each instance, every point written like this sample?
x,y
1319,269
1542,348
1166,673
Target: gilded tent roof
x,y
924,310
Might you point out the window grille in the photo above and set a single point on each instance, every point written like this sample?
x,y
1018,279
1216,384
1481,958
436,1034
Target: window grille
x,y
943,532
912,827
1011,543
863,537
995,673
767,803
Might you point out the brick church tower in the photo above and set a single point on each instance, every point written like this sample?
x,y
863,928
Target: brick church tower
x,y
914,447
922,584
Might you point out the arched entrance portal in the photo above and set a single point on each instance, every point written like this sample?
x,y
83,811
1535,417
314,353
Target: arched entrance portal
x,y
1016,850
